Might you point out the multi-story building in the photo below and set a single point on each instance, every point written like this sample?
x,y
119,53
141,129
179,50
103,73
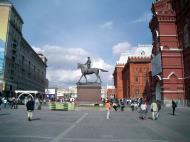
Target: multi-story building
x,y
20,66
182,9
66,93
167,55
136,77
110,92
122,77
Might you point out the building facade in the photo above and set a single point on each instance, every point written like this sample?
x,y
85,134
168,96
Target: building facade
x,y
123,74
182,9
118,81
21,68
136,77
167,55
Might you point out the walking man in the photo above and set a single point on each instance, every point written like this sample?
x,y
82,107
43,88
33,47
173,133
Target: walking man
x,y
154,110
173,106
30,108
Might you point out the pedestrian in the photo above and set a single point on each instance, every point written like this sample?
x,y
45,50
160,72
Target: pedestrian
x,y
154,110
0,102
37,104
159,108
173,106
132,105
122,105
5,102
143,110
108,107
30,108
115,106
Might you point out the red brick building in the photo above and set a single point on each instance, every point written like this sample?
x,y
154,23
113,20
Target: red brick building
x,y
167,55
110,93
136,77
182,9
118,82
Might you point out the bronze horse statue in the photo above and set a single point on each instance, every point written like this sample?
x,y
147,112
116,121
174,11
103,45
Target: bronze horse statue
x,y
85,71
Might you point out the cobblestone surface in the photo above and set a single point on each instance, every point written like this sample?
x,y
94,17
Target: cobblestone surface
x,y
91,125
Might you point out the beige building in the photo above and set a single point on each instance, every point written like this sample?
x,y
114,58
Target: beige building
x,y
20,66
66,93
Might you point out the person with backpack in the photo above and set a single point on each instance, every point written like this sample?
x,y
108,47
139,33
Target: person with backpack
x,y
30,108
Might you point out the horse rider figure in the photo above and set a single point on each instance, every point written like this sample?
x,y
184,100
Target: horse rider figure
x,y
88,63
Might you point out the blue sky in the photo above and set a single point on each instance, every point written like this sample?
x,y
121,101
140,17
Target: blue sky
x,y
67,31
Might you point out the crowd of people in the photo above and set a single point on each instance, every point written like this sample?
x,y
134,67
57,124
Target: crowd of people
x,y
140,105
29,102
10,102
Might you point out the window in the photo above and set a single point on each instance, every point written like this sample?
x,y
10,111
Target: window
x,y
29,64
34,68
140,70
22,60
136,79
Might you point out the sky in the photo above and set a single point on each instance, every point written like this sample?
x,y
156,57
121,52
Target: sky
x,y
68,31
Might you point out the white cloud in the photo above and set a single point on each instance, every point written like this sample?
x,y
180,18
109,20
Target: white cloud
x,y
63,75
62,65
61,57
107,25
121,47
144,18
106,77
123,50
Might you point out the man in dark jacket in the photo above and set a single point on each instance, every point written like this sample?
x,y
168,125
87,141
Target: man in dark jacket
x,y
173,106
30,108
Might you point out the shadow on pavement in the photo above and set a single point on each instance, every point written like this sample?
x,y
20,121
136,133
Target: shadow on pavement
x,y
150,118
4,114
34,119
171,114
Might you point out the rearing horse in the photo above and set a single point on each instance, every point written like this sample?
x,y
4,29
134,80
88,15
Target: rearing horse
x,y
85,71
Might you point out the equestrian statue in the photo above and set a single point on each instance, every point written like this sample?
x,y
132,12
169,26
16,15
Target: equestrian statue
x,y
87,70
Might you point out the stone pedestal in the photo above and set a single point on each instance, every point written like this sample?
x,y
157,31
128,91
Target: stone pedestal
x,y
89,93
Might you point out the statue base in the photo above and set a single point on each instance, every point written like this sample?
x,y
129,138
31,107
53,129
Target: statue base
x,y
88,93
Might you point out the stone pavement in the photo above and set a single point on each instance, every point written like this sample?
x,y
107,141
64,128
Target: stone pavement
x,y
90,125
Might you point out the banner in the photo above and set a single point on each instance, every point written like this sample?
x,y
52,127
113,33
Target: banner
x,y
156,64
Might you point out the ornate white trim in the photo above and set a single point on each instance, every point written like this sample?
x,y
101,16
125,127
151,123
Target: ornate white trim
x,y
169,35
161,48
169,75
159,77
175,49
170,91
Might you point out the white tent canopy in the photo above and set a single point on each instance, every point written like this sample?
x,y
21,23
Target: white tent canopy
x,y
29,92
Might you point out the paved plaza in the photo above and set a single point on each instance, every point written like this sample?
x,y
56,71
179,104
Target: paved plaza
x,y
91,125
